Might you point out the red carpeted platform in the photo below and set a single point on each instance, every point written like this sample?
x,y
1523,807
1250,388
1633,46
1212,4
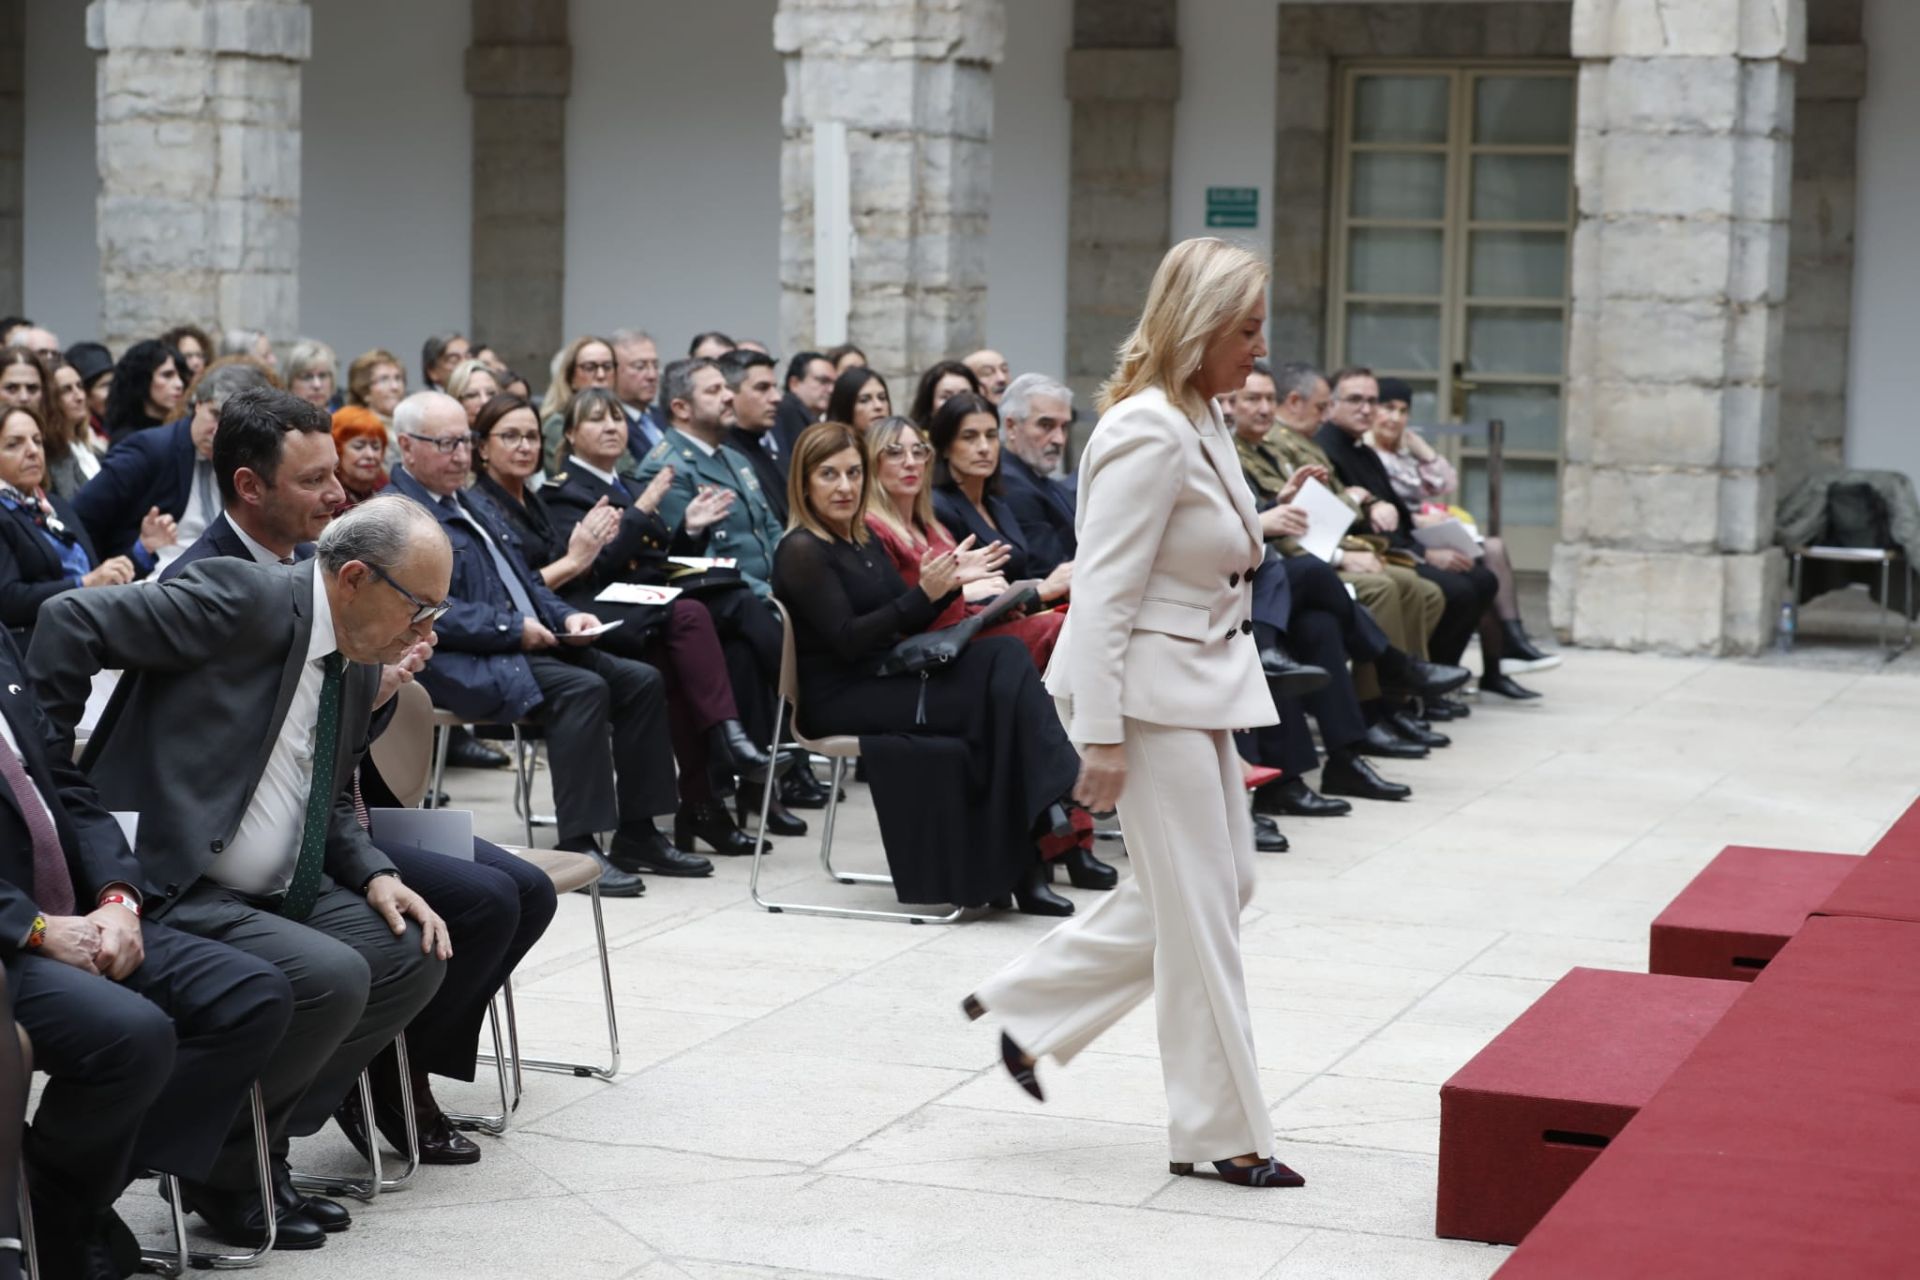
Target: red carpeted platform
x,y
1879,888
1734,916
1902,839
1533,1109
1786,1146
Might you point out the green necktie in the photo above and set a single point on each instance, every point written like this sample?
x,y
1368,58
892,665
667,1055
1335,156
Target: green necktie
x,y
305,886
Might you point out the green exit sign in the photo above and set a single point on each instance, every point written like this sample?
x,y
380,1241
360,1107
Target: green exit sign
x,y
1233,206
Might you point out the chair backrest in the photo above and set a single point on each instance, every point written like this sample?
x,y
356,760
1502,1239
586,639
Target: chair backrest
x,y
790,684
1857,516
404,752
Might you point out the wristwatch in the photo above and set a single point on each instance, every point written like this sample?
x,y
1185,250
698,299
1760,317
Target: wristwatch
x,y
389,871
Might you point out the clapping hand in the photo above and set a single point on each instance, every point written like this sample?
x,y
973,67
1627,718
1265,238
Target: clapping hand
x,y
656,491
940,572
111,572
157,530
708,508
980,562
594,531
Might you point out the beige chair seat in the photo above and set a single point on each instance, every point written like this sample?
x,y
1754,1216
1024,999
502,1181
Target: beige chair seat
x,y
568,871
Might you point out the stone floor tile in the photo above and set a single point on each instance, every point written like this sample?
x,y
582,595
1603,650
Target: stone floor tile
x,y
1355,1111
1351,1255
1419,1052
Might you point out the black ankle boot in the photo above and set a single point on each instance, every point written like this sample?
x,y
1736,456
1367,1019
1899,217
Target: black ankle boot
x,y
729,741
1032,896
709,822
746,807
1085,871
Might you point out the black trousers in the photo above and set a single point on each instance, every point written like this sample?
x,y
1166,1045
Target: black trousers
x,y
1317,586
1468,595
750,639
155,1068
593,701
1322,626
496,907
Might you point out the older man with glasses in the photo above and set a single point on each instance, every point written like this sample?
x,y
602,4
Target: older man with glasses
x,y
510,649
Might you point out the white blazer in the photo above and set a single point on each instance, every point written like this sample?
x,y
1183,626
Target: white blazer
x,y
1160,627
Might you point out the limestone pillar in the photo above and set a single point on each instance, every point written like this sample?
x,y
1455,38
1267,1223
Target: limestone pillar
x,y
519,72
1682,162
1123,77
13,135
198,138
912,81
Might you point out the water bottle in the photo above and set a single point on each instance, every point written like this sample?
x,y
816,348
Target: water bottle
x,y
1783,637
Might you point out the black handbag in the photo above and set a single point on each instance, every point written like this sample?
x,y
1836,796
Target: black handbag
x,y
929,651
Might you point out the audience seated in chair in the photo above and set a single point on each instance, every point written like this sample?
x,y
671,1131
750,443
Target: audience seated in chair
x,y
849,609
44,548
1035,414
510,649
965,435
244,706
276,466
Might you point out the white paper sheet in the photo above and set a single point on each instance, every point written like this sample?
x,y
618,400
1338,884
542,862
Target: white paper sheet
x,y
637,593
1328,519
704,563
1450,534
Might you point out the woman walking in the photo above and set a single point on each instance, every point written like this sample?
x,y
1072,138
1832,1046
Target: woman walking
x,y
1154,670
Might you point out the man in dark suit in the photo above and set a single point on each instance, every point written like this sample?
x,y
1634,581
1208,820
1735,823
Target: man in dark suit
x,y
1467,585
275,460
1035,414
243,710
160,482
151,1037
809,387
510,648
749,376
636,380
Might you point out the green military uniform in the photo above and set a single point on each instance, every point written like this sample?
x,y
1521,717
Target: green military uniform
x,y
1406,606
749,532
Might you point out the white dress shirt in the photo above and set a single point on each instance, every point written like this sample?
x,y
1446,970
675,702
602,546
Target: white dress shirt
x,y
260,554
202,496
260,857
604,477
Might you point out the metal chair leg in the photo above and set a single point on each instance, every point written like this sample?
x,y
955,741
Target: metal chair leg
x,y
179,1259
375,1182
580,1069
442,738
494,1124
29,1257
826,858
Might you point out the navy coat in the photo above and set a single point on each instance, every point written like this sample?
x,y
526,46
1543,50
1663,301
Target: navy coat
x,y
479,671
30,572
1044,508
152,468
954,511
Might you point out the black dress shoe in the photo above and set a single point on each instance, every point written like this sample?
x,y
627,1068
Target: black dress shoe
x,y
1507,687
1403,724
1431,679
1382,741
779,821
709,821
639,849
1347,774
289,1199
1266,835
801,790
1446,709
1294,798
1286,677
1032,896
440,1142
464,751
1084,870
615,882
235,1217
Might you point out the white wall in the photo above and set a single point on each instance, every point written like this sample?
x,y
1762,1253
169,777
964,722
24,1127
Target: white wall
x,y
386,176
1027,238
62,268
1223,124
673,170
1883,383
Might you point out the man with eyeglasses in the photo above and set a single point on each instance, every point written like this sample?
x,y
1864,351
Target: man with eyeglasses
x,y
636,380
275,460
510,649
1468,585
245,706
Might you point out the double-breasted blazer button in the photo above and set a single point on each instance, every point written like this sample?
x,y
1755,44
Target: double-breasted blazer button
x,y
1246,626
1251,572
218,846
1233,579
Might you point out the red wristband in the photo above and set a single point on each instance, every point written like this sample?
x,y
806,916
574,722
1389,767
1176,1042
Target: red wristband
x,y
126,900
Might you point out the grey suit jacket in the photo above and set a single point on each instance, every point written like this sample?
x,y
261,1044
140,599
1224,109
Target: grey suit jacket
x,y
210,660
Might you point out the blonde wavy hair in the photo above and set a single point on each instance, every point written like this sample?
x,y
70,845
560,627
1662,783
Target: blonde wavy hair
x,y
1202,288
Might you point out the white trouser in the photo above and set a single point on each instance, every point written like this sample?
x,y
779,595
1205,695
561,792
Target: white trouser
x,y
1171,930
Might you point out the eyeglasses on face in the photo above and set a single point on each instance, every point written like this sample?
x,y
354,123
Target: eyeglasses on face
x,y
593,368
918,452
441,444
516,439
422,611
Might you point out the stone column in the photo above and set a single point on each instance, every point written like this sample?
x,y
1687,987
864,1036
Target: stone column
x,y
13,135
1682,163
912,80
1123,77
198,136
519,72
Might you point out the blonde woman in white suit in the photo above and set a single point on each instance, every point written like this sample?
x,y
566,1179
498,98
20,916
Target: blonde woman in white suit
x,y
1155,668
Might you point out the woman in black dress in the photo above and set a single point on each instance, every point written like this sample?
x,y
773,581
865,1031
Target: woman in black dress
x,y
849,608
577,553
